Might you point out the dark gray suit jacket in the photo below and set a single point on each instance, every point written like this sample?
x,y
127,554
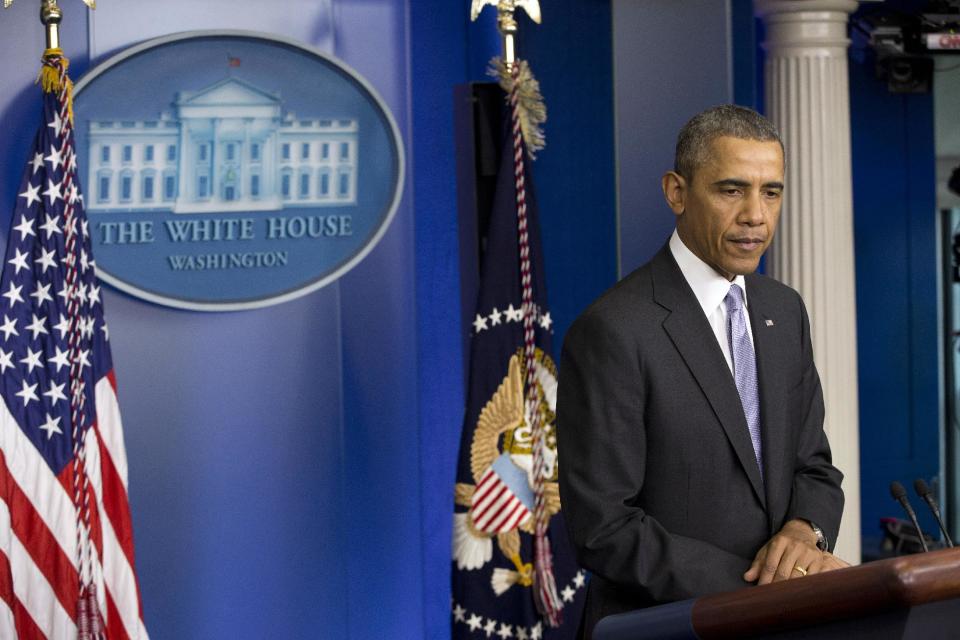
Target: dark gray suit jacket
x,y
659,484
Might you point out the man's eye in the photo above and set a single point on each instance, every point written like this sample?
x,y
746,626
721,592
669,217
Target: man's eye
x,y
773,194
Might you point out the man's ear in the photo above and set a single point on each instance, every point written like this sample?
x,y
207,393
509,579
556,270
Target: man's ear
x,y
674,191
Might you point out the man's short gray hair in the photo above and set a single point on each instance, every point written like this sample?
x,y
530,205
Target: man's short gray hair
x,y
693,142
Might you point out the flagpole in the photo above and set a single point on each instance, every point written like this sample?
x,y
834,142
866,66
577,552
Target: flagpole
x,y
51,16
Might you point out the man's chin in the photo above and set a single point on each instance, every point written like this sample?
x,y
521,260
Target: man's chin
x,y
742,268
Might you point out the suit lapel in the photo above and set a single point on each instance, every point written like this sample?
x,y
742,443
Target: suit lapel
x,y
769,347
693,337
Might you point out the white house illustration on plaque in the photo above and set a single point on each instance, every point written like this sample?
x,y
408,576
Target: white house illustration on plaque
x,y
228,147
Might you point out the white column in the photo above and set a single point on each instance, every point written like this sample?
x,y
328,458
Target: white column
x,y
807,96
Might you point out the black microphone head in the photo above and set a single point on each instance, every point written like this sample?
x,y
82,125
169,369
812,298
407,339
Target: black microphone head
x,y
921,488
897,490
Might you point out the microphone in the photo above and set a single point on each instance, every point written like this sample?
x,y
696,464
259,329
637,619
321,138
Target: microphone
x,y
900,495
924,492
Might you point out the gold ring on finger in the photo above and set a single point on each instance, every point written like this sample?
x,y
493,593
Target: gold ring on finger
x,y
802,571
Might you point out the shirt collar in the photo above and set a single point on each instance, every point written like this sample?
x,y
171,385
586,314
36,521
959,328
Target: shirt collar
x,y
708,286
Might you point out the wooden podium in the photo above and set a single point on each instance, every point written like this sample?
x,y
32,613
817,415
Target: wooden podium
x,y
915,596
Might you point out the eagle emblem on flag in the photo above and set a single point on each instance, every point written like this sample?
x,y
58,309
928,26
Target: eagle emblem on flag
x,y
501,500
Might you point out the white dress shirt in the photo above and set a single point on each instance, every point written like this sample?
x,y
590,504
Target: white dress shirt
x,y
710,288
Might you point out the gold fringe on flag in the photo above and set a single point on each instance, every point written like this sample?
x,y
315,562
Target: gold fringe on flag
x,y
533,111
51,80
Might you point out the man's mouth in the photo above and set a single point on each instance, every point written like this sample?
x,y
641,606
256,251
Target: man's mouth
x,y
748,244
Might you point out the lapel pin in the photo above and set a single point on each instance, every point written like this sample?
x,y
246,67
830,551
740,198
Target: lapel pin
x,y
768,322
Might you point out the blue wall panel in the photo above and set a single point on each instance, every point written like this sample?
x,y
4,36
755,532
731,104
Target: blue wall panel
x,y
223,435
671,61
439,25
896,262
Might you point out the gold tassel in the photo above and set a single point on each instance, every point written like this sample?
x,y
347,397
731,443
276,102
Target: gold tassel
x,y
50,78
533,111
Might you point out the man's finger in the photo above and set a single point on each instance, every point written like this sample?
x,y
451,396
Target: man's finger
x,y
817,566
790,564
754,571
768,570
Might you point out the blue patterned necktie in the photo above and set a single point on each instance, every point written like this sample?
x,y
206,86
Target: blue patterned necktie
x,y
744,366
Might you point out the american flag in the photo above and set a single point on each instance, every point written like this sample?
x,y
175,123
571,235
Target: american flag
x,y
66,543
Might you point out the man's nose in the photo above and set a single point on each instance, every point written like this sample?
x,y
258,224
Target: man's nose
x,y
753,211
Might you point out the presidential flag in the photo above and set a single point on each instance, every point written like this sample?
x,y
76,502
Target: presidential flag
x,y
66,543
514,574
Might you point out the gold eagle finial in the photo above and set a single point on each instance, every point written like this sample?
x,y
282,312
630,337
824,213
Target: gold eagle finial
x,y
532,7
90,3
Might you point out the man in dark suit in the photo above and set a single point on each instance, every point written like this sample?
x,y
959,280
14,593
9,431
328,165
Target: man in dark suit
x,y
690,414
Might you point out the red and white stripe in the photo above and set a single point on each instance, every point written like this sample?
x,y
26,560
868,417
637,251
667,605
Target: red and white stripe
x,y
39,578
495,508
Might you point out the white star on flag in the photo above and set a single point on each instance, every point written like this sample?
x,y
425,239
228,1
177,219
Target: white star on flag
x,y
32,194
32,360
567,594
6,360
458,614
88,323
57,124
55,158
37,326
51,426
42,293
479,324
46,259
514,315
506,631
536,632
14,294
475,622
63,326
495,316
25,227
61,359
37,162
51,226
27,393
9,327
56,392
19,261
545,321
53,192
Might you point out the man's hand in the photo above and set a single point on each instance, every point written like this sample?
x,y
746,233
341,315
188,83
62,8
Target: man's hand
x,y
831,562
792,553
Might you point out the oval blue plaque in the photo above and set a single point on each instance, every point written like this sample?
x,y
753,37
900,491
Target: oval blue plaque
x,y
231,170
